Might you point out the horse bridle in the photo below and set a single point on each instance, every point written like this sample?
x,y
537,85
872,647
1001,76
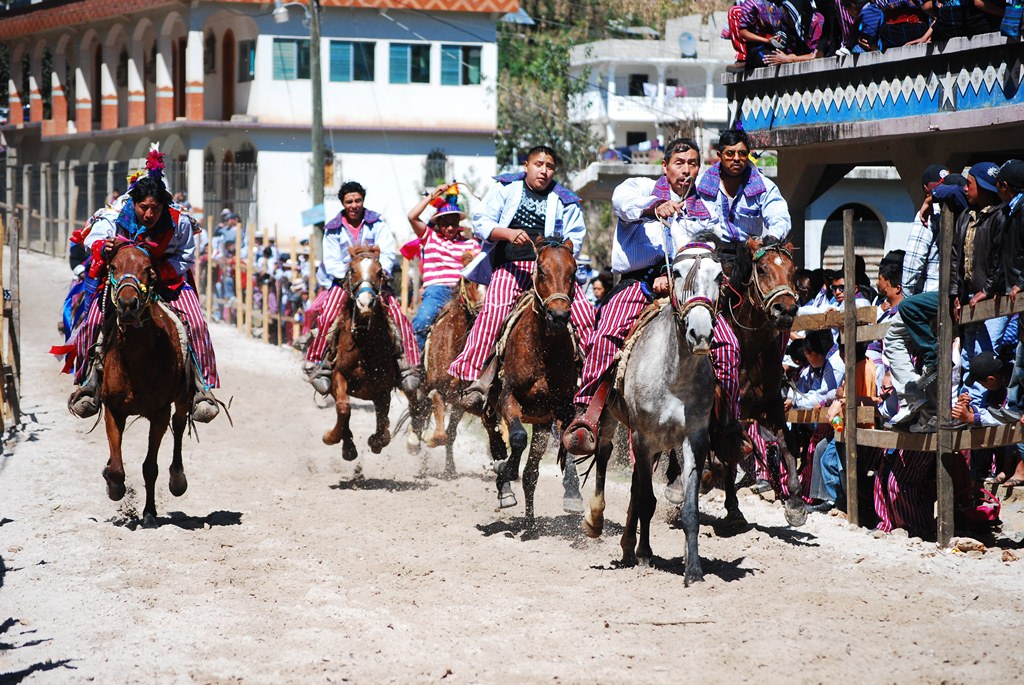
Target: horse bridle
x,y
767,298
117,285
364,285
553,297
697,252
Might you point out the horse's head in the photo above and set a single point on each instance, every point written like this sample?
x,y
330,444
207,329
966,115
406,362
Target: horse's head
x,y
554,281
472,293
132,279
697,270
774,281
365,279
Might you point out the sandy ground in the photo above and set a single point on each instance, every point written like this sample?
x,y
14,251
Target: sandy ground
x,y
277,567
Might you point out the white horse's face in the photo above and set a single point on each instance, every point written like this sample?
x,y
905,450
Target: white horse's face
x,y
698,282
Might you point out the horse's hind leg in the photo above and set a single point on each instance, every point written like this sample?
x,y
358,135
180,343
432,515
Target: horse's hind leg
x,y
150,469
380,439
113,473
693,452
643,492
538,445
593,521
572,500
177,483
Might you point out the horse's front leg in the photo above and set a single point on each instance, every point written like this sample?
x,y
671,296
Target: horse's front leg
x,y
419,409
449,448
113,473
343,410
538,445
150,470
380,439
796,514
512,413
177,483
694,453
439,436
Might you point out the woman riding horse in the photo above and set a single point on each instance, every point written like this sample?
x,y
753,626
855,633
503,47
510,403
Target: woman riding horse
x,y
147,215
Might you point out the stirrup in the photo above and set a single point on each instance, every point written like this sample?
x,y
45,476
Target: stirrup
x,y
580,437
409,376
83,404
474,397
204,407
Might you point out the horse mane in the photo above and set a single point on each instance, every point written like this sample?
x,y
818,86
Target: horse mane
x,y
548,241
742,263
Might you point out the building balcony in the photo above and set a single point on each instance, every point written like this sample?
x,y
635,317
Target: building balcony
x,y
597,107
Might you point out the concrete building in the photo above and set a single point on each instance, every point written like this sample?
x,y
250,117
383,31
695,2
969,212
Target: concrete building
x,y
641,90
408,96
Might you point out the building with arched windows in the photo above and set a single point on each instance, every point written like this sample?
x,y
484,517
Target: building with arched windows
x,y
409,90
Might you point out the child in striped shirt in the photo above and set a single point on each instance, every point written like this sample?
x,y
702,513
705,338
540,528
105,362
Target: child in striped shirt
x,y
443,245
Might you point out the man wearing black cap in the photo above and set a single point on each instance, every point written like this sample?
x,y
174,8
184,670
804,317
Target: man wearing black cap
x,y
921,261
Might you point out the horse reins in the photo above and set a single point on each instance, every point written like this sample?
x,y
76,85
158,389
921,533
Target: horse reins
x,y
554,297
766,299
117,285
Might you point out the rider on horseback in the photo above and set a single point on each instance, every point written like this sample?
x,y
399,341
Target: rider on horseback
x,y
355,226
522,207
639,254
146,215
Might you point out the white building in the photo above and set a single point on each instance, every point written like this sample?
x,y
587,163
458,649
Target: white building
x,y
640,90
409,95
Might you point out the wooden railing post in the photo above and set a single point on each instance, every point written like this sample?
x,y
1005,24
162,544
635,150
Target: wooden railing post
x,y
209,268
944,456
850,348
250,277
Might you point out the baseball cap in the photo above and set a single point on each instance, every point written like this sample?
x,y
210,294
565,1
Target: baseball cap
x,y
934,174
984,365
984,174
1012,173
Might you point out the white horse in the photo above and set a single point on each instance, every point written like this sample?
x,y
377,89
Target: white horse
x,y
666,400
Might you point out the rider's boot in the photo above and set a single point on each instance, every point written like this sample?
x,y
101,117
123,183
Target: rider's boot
x,y
84,402
474,397
319,375
409,375
580,437
204,405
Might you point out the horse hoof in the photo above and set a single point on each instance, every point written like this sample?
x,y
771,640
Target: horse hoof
x,y
329,438
348,451
693,576
506,498
735,520
593,527
449,473
573,505
148,521
437,441
643,562
115,490
796,517
378,443
412,444
178,484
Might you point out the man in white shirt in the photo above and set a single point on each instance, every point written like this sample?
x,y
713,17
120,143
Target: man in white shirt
x,y
639,248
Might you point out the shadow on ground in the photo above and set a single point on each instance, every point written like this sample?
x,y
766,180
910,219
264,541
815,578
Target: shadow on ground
x,y
6,647
387,484
565,527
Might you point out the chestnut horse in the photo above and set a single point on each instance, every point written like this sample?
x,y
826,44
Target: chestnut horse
x,y
145,370
538,378
365,354
764,276
445,341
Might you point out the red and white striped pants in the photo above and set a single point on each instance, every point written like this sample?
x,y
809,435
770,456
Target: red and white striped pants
x,y
312,315
186,306
507,283
332,303
733,18
618,316
901,495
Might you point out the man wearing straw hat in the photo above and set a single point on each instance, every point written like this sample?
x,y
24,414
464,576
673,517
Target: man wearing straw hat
x,y
443,245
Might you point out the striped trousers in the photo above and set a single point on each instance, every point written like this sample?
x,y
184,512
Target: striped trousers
x,y
733,18
331,305
507,282
618,316
186,306
312,315
904,493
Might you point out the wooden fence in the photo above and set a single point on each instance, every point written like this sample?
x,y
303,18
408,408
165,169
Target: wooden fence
x,y
947,441
10,328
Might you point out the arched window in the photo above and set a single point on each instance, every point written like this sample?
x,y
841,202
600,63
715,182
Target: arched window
x,y
869,238
436,170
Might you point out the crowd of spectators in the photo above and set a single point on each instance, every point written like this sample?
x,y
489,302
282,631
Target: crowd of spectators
x,y
767,32
897,375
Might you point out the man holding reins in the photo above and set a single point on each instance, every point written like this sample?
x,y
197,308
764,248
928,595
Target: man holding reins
x,y
146,215
356,226
639,252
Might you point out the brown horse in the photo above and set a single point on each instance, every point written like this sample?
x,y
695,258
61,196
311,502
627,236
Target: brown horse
x,y
538,378
365,356
145,370
764,274
445,341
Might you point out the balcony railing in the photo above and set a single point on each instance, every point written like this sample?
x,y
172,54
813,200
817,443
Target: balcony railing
x,y
641,109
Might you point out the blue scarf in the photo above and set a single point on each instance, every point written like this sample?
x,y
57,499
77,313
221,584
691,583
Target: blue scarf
x,y
128,224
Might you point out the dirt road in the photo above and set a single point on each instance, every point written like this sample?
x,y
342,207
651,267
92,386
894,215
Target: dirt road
x,y
276,567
